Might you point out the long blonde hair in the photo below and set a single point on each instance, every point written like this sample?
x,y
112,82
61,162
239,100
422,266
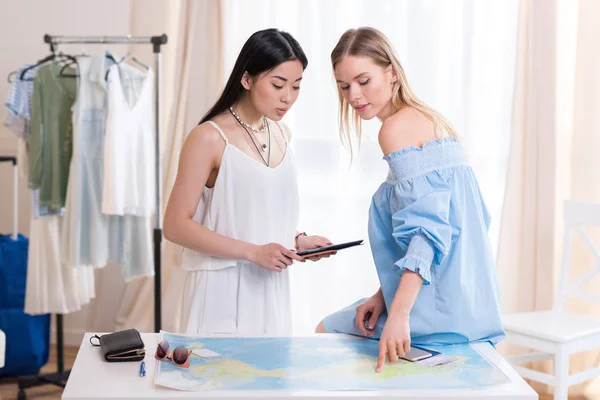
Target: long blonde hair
x,y
371,43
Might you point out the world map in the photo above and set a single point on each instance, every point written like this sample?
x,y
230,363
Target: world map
x,y
315,363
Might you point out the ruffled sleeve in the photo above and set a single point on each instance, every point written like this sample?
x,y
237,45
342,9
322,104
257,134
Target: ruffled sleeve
x,y
420,221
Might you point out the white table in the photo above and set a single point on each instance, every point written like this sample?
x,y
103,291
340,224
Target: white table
x,y
93,378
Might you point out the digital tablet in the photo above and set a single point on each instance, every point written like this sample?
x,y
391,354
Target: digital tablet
x,y
328,249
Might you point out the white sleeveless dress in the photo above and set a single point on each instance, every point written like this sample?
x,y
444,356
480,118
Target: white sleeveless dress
x,y
253,203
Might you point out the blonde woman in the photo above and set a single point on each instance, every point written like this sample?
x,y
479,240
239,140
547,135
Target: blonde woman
x,y
427,222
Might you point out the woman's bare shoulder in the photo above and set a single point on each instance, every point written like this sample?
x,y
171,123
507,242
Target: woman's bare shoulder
x,y
407,127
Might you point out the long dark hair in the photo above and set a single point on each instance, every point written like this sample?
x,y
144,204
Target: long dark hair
x,y
263,51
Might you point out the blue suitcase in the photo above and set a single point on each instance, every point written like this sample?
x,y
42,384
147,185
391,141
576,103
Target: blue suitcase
x,y
27,342
13,271
27,336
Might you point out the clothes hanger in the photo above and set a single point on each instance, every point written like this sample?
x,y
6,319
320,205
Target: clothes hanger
x,y
129,56
52,57
70,61
39,62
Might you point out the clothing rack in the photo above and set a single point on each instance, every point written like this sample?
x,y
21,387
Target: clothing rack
x,y
60,377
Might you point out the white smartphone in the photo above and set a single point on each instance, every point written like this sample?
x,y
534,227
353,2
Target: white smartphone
x,y
416,354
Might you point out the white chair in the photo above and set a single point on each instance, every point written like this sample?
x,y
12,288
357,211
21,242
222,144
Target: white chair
x,y
556,334
2,347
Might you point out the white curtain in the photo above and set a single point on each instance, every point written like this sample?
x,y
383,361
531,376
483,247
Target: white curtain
x,y
459,57
191,83
553,158
578,177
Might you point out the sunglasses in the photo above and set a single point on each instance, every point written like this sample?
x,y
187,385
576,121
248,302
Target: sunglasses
x,y
180,356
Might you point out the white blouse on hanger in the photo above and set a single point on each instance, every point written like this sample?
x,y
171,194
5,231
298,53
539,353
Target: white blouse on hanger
x,y
129,153
90,237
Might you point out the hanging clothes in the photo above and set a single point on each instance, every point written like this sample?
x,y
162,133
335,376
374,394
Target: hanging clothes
x,y
129,159
18,106
51,288
91,238
61,124
50,134
18,101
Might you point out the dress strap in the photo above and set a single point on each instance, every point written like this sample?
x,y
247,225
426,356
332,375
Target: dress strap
x,y
283,131
220,131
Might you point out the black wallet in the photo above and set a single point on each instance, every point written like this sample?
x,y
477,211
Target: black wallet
x,y
124,345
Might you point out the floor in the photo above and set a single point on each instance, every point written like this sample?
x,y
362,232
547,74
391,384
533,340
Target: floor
x,y
9,388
